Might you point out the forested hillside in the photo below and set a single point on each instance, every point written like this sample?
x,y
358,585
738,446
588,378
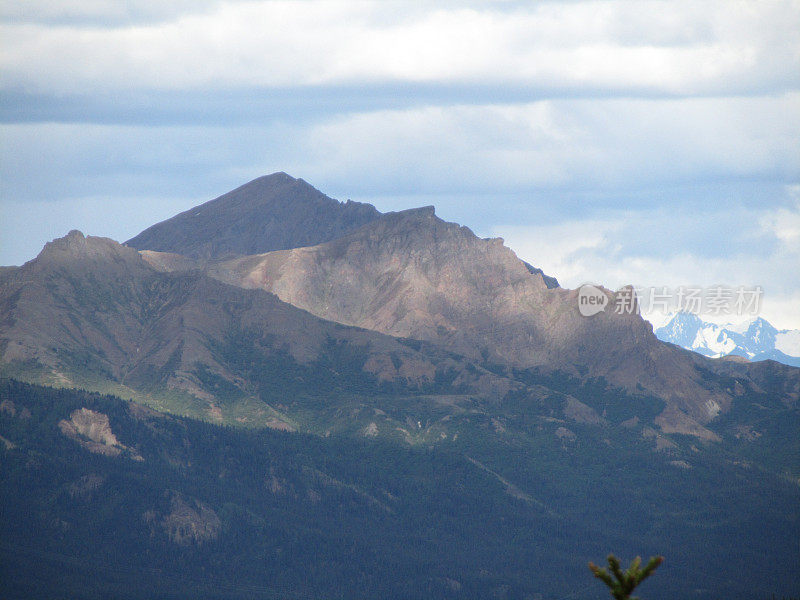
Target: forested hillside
x,y
101,497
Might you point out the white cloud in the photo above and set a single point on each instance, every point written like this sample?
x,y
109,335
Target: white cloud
x,y
617,249
99,12
784,224
782,310
576,144
569,251
608,145
676,47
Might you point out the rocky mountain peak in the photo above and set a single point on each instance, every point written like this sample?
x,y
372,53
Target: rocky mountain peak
x,y
760,325
76,247
274,212
72,241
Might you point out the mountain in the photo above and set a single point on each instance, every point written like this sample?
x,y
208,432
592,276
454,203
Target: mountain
x,y
269,213
410,274
406,301
89,312
465,313
346,417
273,212
754,340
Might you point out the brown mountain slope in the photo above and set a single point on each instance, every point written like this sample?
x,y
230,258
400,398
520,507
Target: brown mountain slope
x,y
89,311
269,213
410,274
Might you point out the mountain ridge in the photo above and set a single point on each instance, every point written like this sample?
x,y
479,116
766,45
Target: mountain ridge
x,y
460,313
91,307
410,274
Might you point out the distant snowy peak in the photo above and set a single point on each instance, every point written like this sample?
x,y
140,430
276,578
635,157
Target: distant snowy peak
x,y
755,339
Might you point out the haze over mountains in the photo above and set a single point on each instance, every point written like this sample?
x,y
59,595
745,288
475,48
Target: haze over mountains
x,y
277,307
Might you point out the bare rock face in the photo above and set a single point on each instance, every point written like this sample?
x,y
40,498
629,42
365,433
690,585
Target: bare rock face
x,y
188,522
167,261
675,421
565,434
581,413
8,407
408,274
80,293
92,425
91,430
86,487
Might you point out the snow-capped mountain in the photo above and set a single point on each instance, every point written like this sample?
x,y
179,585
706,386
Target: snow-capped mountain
x,y
755,339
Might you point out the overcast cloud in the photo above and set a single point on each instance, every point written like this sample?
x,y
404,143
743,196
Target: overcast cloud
x,y
654,143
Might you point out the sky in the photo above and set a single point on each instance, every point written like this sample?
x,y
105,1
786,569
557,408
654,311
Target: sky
x,y
615,142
